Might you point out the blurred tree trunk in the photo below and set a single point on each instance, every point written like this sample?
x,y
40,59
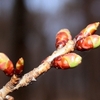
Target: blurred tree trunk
x,y
24,24
19,27
91,62
18,38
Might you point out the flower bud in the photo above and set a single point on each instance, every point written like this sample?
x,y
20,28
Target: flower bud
x,y
19,66
89,30
6,65
87,43
66,61
62,38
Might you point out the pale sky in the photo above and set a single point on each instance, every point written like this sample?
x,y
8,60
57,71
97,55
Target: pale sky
x,y
50,6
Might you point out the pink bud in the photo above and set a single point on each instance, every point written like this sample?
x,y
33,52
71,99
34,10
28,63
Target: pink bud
x,y
87,43
19,66
6,65
89,30
62,38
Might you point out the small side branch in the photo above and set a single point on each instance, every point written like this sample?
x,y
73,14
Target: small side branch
x,y
16,82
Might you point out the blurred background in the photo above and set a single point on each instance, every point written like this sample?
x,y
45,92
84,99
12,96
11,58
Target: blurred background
x,y
28,29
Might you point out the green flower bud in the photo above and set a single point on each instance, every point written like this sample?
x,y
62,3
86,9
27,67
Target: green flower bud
x,y
66,61
73,59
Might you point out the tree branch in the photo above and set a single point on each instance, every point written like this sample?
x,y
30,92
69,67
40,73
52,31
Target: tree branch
x,y
16,82
60,58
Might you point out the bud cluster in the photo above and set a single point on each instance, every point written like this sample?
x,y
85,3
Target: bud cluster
x,y
68,60
87,39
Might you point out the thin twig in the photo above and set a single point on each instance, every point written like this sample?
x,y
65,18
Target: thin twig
x,y
14,84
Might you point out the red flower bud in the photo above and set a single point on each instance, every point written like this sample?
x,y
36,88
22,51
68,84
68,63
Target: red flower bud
x,y
6,65
89,30
66,61
87,43
19,66
62,38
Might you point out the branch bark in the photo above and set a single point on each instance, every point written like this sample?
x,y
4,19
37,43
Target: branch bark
x,y
16,82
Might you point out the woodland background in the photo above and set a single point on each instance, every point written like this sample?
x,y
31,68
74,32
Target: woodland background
x,y
28,29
